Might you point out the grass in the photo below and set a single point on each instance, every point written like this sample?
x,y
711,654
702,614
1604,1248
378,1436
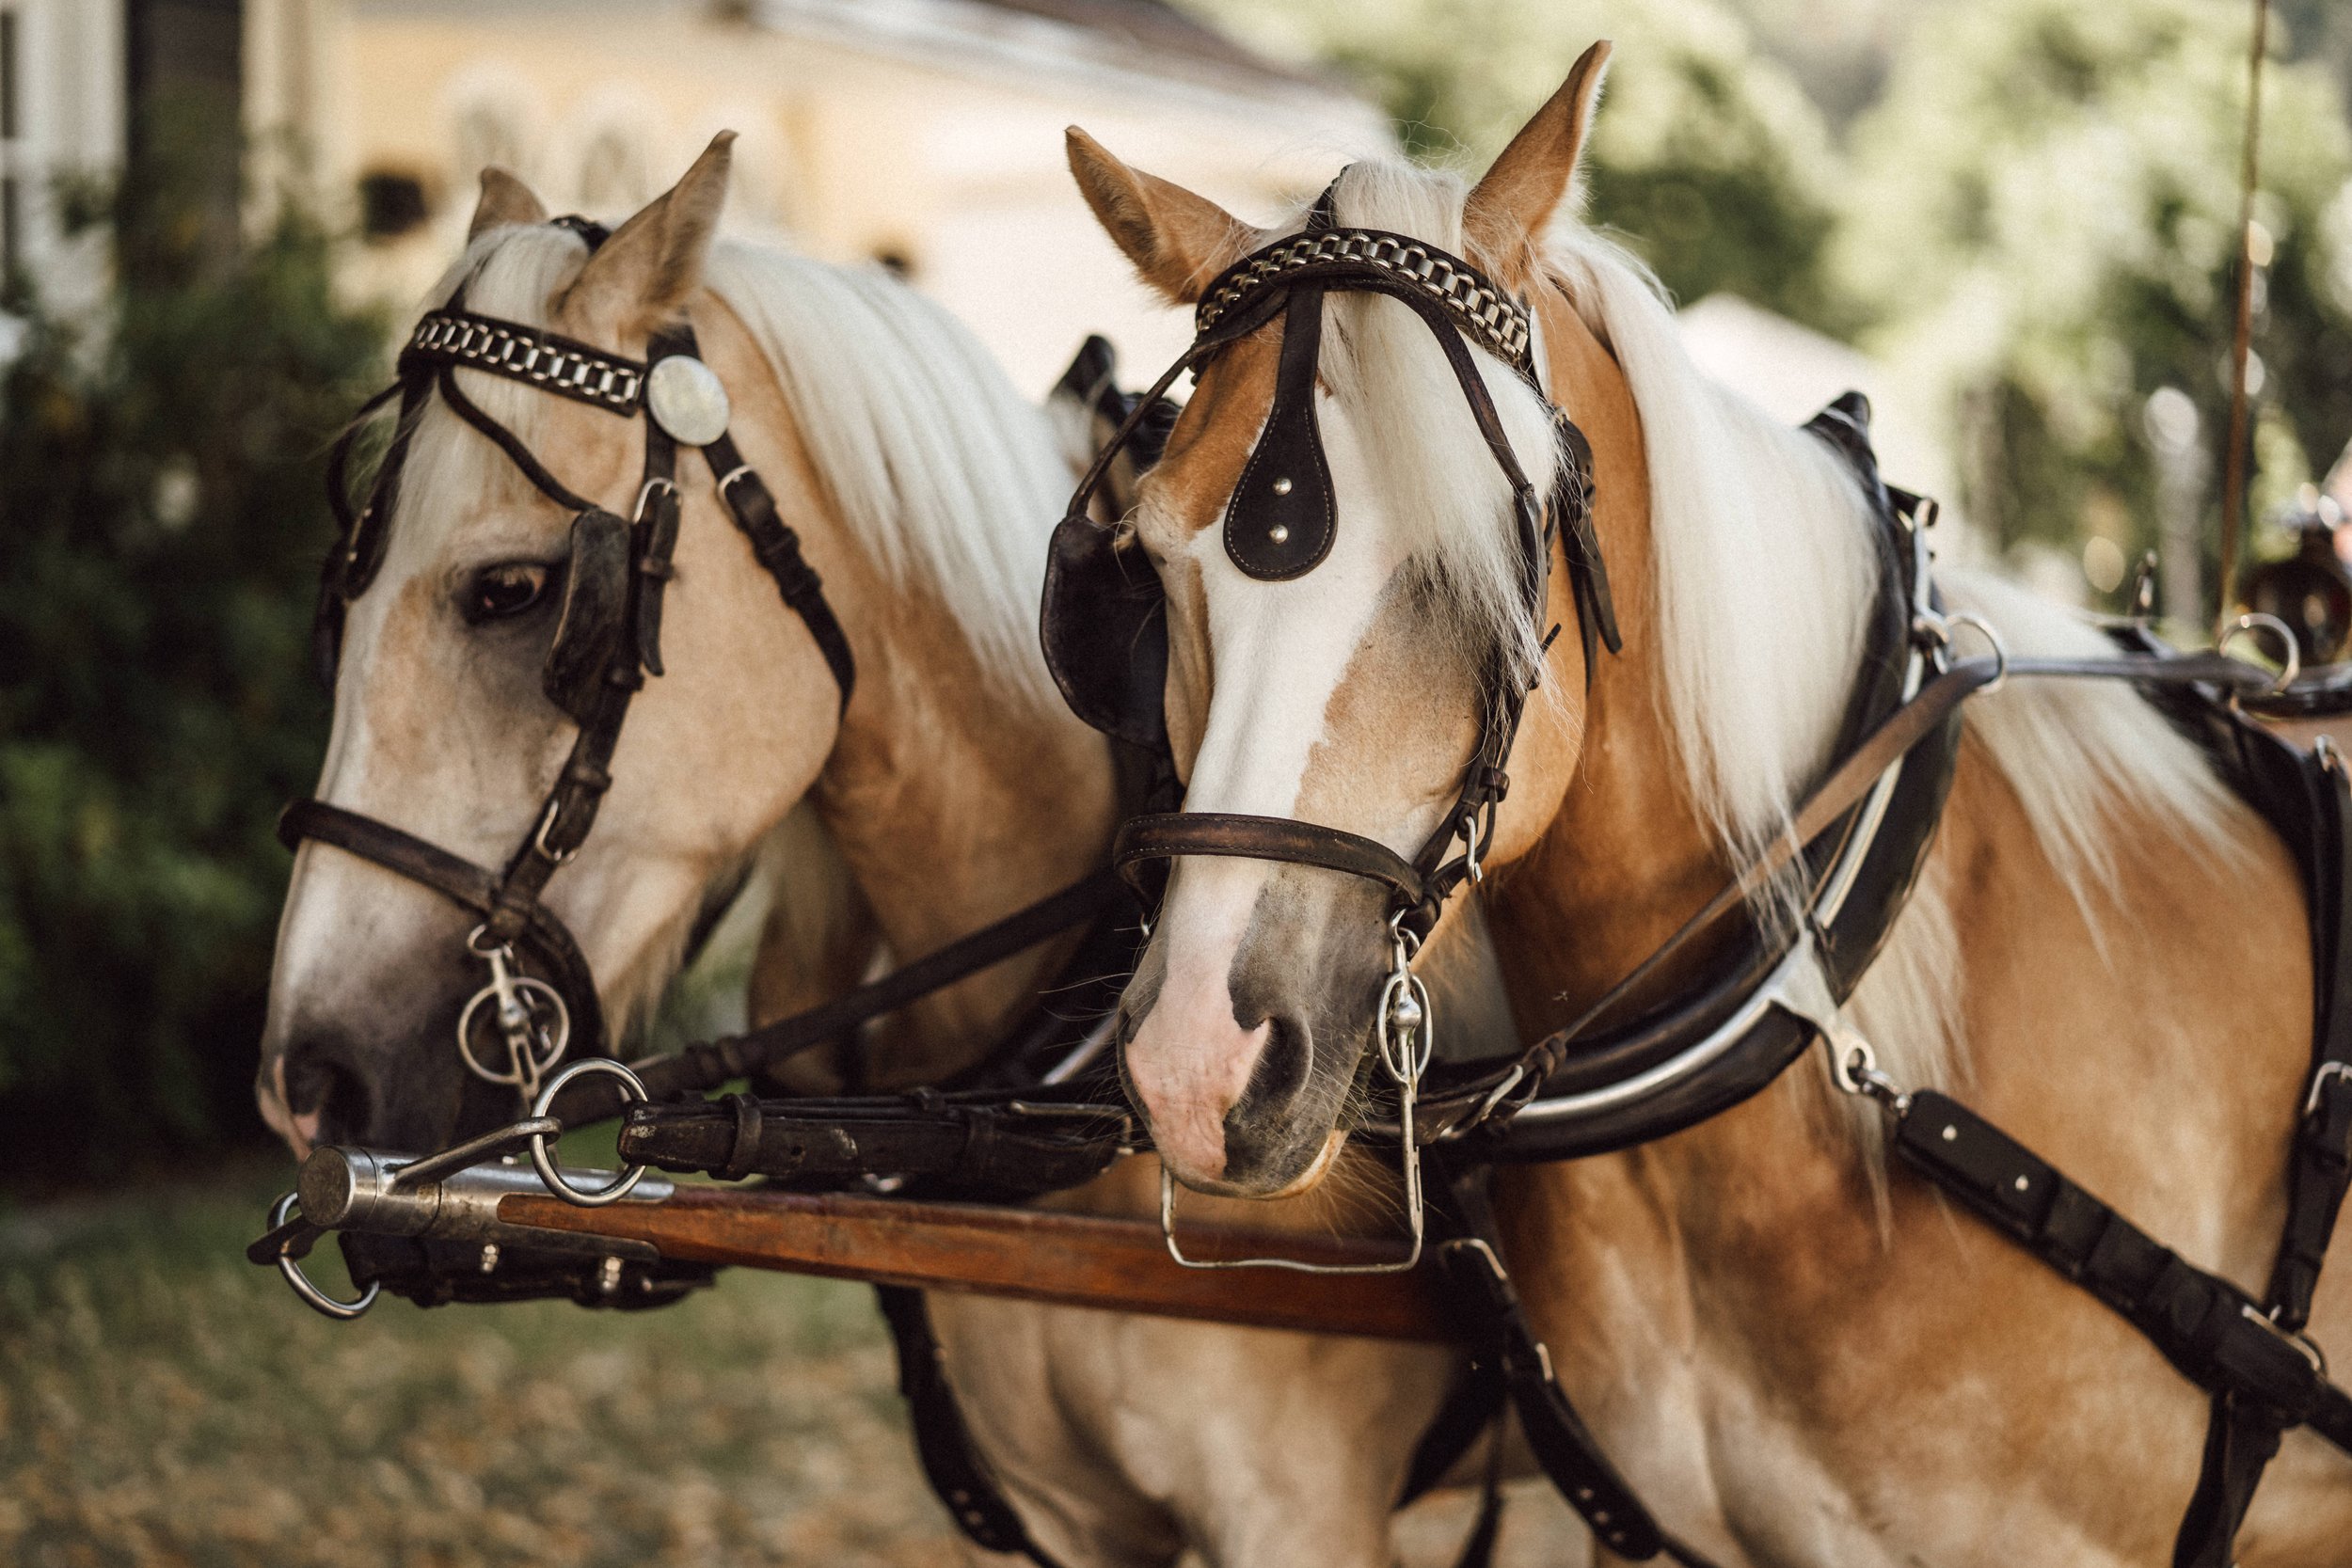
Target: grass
x,y
162,1401
166,1404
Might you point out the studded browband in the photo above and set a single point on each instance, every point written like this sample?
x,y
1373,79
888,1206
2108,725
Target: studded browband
x,y
1475,302
567,366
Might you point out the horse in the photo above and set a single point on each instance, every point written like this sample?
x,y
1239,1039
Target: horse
x,y
1794,1347
951,788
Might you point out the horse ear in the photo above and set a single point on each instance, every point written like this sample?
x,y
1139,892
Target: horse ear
x,y
1177,241
505,202
652,263
1516,198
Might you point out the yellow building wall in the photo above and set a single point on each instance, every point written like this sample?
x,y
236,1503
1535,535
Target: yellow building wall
x,y
851,146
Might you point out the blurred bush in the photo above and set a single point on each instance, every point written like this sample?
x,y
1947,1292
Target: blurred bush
x,y
2042,218
162,515
2025,208
1709,159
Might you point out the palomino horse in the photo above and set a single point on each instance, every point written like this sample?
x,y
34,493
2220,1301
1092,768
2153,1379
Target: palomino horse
x,y
1798,1356
954,788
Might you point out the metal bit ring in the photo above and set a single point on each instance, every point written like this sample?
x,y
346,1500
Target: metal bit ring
x,y
632,1089
312,1297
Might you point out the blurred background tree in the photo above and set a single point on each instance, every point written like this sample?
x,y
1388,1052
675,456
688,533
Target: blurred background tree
x,y
2025,208
1710,161
162,516
2042,224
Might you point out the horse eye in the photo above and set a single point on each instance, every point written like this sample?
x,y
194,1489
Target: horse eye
x,y
508,588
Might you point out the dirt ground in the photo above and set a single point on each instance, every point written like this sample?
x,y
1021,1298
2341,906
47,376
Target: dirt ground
x,y
163,1403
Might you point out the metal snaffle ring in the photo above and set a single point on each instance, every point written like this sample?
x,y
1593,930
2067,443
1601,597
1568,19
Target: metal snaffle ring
x,y
315,1299
2000,649
632,1089
2290,653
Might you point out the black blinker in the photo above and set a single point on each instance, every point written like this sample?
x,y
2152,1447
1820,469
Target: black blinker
x,y
1282,518
592,632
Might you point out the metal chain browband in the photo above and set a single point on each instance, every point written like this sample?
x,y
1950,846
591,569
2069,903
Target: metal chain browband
x,y
1475,302
546,359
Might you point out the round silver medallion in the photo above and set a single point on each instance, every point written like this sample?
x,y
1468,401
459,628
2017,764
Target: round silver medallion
x,y
687,399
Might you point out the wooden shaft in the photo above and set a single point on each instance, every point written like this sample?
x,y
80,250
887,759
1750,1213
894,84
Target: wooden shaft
x,y
1035,1255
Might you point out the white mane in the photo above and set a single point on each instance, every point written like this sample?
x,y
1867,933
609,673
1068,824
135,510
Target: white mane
x,y
940,468
943,474
1766,565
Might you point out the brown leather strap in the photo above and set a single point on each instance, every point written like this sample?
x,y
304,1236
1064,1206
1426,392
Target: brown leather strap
x,y
1166,835
463,882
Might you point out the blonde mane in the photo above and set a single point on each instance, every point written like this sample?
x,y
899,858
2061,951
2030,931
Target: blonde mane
x,y
1767,561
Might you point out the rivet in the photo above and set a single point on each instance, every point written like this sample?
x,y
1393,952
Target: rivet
x,y
1950,1134
1282,486
1280,533
2021,1184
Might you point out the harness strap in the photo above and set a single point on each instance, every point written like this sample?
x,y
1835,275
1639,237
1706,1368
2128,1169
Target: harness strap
x,y
698,1068
778,548
1494,1323
1165,835
2214,1332
941,1441
2243,1434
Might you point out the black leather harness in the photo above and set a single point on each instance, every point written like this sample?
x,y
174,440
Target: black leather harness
x,y
1579,1092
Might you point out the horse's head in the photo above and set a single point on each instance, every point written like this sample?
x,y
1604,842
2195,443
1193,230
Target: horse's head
x,y
499,624
1341,663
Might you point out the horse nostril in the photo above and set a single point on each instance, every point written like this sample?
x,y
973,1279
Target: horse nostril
x,y
320,1082
1283,1065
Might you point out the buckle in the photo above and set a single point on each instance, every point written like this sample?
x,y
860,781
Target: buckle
x,y
2336,1071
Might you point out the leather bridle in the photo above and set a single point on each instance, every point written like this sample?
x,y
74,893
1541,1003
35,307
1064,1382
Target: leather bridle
x,y
1280,522
607,639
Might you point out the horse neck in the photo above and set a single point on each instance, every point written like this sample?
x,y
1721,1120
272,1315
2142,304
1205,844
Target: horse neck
x,y
956,802
1623,858
952,796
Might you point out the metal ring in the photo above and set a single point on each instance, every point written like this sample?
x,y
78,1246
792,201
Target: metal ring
x,y
2000,649
2291,662
632,1088
315,1299
559,1033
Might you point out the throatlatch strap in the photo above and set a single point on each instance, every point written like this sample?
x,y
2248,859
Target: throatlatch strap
x,y
778,548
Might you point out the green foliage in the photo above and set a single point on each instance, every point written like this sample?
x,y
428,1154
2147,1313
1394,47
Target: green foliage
x,y
1709,157
161,515
2044,210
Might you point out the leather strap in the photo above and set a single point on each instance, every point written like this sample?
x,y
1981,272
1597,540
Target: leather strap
x,y
941,1441
2214,1333
1166,835
463,882
1494,1323
699,1067
778,548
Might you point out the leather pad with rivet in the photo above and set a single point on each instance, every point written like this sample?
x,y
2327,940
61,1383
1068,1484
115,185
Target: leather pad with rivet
x,y
1281,519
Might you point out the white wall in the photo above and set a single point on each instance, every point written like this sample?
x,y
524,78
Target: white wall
x,y
70,72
